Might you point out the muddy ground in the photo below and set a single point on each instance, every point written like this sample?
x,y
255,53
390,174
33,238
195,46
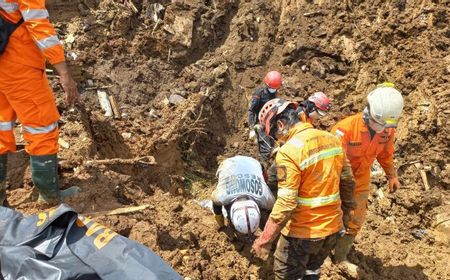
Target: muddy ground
x,y
182,72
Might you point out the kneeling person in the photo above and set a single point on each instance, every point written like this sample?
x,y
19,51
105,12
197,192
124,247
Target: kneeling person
x,y
242,190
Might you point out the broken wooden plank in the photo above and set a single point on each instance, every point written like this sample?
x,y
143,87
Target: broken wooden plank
x,y
98,87
132,6
423,174
119,211
115,107
312,14
147,160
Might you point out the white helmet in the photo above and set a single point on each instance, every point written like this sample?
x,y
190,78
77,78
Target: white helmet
x,y
385,104
245,216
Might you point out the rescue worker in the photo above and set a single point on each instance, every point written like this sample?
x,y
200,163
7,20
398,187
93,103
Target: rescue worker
x,y
315,194
26,96
272,82
242,190
365,137
315,107
310,110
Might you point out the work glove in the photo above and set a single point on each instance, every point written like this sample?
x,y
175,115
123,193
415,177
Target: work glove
x,y
394,184
251,134
220,221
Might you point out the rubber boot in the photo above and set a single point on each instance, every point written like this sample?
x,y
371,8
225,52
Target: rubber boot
x,y
44,173
343,246
3,165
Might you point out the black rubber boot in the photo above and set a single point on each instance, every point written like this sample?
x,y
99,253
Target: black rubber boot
x,y
44,172
343,246
3,168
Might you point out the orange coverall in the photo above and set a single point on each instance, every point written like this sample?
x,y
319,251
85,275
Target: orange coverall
x,y
24,90
362,152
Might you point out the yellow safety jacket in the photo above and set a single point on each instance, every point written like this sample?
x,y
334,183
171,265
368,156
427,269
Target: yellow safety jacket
x,y
309,167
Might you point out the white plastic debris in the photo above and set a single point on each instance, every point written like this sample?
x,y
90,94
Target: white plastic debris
x,y
104,103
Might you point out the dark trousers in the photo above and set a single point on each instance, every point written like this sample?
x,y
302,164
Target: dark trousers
x,y
297,258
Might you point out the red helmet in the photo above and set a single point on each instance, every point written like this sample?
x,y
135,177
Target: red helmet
x,y
271,109
273,79
321,101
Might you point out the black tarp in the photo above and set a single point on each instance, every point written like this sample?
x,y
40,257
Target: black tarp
x,y
61,244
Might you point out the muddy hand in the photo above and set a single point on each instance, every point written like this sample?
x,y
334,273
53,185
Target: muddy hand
x,y
68,84
394,184
70,88
259,250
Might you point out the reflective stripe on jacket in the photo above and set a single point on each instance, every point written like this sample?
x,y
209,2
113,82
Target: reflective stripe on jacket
x,y
309,166
362,151
33,41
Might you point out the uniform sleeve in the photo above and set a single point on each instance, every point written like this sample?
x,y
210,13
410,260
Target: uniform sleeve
x,y
347,186
289,176
265,145
35,17
253,110
386,157
340,133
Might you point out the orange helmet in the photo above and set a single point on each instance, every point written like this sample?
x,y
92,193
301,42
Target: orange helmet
x,y
270,110
273,79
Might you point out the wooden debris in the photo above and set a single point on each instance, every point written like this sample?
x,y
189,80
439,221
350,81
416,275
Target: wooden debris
x,y
63,143
147,160
115,107
98,87
119,211
423,174
132,6
312,14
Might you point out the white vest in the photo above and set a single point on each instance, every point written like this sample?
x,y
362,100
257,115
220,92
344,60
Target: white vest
x,y
239,176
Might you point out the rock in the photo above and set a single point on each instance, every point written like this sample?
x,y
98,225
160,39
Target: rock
x,y
175,99
156,12
318,69
152,114
419,233
304,68
235,145
220,70
126,135
184,252
183,27
447,70
442,223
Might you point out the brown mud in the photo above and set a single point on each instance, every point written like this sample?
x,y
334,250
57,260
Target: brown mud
x,y
211,55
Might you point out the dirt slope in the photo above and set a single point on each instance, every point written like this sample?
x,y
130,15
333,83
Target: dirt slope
x,y
211,55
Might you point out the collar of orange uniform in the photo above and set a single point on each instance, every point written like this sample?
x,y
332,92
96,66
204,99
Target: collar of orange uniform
x,y
299,127
362,126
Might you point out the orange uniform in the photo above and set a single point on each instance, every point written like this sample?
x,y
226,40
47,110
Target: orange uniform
x,y
24,90
309,169
361,150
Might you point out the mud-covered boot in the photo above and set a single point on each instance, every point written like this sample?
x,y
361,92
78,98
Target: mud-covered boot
x,y
343,246
44,172
3,166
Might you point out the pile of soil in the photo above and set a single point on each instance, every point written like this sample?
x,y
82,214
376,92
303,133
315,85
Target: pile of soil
x,y
182,73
